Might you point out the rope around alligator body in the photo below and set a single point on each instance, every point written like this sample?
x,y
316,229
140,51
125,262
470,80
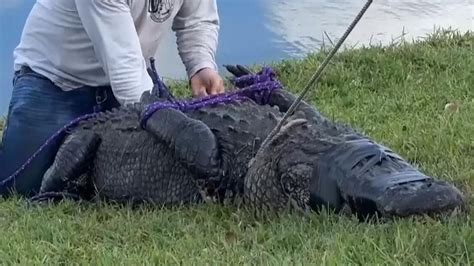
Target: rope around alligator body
x,y
259,88
262,83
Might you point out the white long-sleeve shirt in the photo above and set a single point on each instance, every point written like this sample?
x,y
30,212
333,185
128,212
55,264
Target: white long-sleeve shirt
x,y
108,42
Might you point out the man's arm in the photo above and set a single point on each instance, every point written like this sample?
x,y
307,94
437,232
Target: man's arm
x,y
110,26
197,26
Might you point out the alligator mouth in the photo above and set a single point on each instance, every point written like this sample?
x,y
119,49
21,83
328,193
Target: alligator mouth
x,y
371,179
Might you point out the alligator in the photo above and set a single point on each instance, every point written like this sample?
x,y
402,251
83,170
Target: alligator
x,y
189,155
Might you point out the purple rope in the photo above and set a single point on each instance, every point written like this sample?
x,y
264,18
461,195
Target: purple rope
x,y
42,147
266,74
257,87
262,85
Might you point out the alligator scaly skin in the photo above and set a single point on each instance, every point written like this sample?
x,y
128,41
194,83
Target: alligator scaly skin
x,y
133,164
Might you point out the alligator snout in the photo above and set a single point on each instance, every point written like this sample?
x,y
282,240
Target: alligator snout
x,y
420,197
372,179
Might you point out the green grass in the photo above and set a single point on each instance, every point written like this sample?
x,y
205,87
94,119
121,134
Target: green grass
x,y
394,94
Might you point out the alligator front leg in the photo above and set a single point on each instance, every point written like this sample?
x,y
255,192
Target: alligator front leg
x,y
72,160
192,140
281,98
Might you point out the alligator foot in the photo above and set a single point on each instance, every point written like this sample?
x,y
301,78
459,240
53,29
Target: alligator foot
x,y
238,70
47,197
280,98
193,142
72,161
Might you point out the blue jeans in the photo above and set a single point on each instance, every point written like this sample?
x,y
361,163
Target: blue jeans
x,y
37,110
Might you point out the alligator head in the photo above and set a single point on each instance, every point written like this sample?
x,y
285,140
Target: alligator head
x,y
310,166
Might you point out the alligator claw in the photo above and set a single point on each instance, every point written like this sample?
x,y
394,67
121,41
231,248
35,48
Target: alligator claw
x,y
54,197
238,70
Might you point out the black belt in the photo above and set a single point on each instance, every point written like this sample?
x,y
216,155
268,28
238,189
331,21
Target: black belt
x,y
24,70
27,70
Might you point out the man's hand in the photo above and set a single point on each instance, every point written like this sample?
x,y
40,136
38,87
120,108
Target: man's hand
x,y
206,82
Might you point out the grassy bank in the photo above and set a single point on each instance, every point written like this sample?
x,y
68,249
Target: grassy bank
x,y
397,95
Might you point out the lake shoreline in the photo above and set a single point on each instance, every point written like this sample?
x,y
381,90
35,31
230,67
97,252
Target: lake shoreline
x,y
180,86
396,95
267,30
438,35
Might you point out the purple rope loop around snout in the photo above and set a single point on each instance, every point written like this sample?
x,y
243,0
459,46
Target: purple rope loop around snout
x,y
258,87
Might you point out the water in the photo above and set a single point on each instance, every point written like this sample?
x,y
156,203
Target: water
x,y
259,31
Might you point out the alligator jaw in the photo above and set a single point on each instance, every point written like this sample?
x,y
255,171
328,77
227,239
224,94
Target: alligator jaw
x,y
420,198
372,179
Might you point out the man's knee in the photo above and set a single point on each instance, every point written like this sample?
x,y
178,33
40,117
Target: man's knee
x,y
22,137
38,109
